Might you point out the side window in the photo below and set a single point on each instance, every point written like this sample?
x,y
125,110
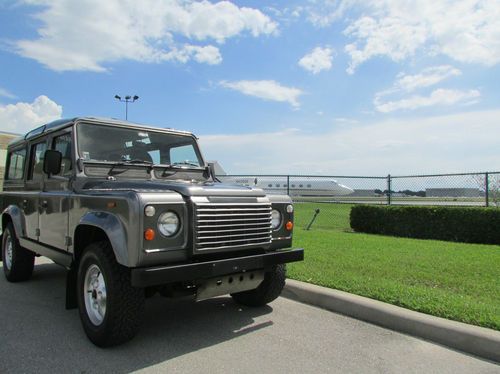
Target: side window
x,y
16,165
63,144
36,161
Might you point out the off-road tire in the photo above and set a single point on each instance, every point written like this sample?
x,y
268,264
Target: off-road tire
x,y
124,303
23,260
267,291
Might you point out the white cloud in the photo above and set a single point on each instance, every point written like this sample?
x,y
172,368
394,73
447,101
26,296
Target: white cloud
x,y
5,93
267,90
87,34
22,117
426,78
208,54
465,30
437,97
317,60
460,142
391,37
323,13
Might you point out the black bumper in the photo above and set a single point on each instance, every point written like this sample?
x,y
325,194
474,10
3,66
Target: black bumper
x,y
144,277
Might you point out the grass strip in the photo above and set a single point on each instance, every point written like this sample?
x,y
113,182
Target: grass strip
x,y
452,280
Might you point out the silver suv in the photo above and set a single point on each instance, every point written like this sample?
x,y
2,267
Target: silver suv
x,y
130,211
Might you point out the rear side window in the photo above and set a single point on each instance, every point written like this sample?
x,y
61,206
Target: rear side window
x,y
63,144
16,163
36,161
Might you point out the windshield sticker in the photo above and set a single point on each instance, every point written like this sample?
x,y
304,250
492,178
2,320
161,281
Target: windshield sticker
x,y
86,156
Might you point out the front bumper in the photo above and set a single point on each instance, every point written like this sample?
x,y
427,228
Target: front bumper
x,y
152,276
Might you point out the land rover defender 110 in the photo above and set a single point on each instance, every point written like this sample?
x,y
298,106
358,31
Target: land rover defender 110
x,y
131,211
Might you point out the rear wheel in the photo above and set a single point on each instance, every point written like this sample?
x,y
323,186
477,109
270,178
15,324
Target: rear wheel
x,y
110,308
267,291
18,262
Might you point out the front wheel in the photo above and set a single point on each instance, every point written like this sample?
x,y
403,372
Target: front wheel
x,y
267,291
18,262
110,308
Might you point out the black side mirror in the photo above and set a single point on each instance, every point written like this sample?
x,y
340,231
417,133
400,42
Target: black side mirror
x,y
211,168
52,162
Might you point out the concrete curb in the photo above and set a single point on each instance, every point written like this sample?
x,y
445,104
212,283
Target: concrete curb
x,y
475,340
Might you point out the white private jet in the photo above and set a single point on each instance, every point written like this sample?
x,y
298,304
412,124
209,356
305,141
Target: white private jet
x,y
295,186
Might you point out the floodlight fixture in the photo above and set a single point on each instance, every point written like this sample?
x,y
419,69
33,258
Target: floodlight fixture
x,y
126,100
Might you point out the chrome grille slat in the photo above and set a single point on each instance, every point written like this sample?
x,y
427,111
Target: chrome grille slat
x,y
263,214
202,205
232,220
243,245
235,235
236,241
263,209
232,225
232,230
228,225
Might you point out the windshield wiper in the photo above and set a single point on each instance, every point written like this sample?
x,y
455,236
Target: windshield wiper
x,y
171,169
185,163
149,164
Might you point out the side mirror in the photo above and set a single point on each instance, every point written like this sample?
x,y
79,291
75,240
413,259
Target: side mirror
x,y
52,162
211,167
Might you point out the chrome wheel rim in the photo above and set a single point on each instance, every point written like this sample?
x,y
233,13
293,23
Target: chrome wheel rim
x,y
94,292
9,245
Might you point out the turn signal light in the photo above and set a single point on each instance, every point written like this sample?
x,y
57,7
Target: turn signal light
x,y
289,225
149,234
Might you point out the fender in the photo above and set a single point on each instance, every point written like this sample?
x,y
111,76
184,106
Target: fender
x,y
113,228
17,218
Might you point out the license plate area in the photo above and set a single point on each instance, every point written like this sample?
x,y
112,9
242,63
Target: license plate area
x,y
229,284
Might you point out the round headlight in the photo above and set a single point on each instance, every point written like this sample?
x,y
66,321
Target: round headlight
x,y
275,219
168,223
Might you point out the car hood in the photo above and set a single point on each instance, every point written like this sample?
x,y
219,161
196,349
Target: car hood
x,y
182,187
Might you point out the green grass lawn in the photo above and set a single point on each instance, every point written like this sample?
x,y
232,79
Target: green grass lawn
x,y
451,280
331,216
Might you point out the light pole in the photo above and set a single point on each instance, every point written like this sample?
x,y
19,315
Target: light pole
x,y
126,100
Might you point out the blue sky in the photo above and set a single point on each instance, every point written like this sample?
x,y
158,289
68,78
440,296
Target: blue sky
x,y
331,87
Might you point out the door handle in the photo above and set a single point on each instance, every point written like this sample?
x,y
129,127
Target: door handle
x,y
44,204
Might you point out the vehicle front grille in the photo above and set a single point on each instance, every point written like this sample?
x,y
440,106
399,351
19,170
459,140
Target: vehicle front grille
x,y
226,225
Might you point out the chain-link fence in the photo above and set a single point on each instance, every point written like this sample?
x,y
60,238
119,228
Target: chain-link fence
x,y
326,200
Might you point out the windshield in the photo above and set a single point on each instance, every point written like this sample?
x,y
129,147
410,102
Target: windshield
x,y
118,144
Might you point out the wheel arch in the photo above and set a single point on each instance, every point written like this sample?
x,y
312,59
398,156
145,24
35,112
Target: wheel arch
x,y
14,215
99,226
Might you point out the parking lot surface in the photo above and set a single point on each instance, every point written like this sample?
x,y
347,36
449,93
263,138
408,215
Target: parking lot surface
x,y
37,335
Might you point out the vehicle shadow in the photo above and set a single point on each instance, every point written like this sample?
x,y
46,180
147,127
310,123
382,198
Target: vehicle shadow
x,y
42,336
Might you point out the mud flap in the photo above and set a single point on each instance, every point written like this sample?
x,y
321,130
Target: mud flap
x,y
71,298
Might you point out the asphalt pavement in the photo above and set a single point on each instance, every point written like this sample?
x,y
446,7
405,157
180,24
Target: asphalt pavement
x,y
37,335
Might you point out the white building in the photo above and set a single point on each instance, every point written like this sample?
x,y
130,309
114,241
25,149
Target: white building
x,y
5,139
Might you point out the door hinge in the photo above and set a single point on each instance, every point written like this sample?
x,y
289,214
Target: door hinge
x,y
69,241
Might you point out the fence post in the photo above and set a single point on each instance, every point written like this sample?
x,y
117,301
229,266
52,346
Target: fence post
x,y
487,189
288,185
389,188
